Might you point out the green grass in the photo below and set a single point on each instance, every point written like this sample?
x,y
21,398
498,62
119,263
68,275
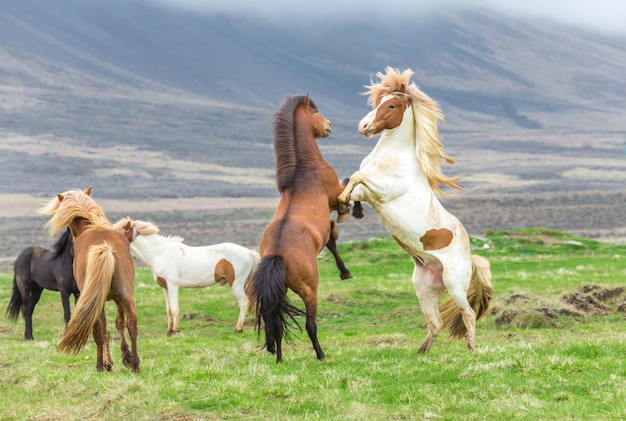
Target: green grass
x,y
544,360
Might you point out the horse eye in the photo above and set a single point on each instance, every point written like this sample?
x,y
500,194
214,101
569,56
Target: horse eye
x,y
392,107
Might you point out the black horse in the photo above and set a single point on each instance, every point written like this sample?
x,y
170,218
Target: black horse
x,y
38,268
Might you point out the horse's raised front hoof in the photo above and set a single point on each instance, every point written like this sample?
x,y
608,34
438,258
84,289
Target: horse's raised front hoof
x,y
345,275
342,217
357,210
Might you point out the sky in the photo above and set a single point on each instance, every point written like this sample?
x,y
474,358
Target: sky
x,y
602,15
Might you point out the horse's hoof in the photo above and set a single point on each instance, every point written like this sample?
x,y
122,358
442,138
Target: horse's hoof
x,y
357,212
342,217
345,275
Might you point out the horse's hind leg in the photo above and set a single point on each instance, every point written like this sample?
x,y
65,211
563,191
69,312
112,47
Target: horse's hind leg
x,y
344,272
242,300
423,279
120,325
458,293
101,337
133,331
310,303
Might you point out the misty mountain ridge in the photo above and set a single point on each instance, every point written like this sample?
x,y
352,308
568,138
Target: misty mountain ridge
x,y
202,88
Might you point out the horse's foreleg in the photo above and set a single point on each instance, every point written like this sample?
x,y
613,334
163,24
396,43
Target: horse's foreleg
x,y
28,308
168,307
344,197
65,300
344,272
428,297
383,189
174,310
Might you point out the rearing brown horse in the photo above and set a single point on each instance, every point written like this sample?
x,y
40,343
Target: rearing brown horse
x,y
299,230
104,270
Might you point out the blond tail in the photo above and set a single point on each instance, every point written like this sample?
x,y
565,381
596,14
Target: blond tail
x,y
98,276
479,295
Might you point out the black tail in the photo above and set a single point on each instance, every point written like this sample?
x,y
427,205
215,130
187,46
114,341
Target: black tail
x,y
15,304
267,288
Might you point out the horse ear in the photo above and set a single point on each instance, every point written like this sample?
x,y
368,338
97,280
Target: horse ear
x,y
88,190
60,197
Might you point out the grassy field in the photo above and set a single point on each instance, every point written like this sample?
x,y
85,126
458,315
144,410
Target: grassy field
x,y
552,347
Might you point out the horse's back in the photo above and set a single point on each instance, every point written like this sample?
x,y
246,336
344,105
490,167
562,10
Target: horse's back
x,y
118,244
35,264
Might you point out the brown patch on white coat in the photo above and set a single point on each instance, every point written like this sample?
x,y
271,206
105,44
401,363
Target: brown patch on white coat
x,y
436,239
224,273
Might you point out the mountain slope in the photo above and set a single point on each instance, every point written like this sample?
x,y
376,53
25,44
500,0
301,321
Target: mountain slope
x,y
529,104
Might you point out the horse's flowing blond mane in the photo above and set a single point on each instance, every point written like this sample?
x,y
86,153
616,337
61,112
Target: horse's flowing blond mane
x,y
426,113
70,205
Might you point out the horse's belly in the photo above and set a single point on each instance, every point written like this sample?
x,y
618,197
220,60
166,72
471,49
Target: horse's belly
x,y
417,234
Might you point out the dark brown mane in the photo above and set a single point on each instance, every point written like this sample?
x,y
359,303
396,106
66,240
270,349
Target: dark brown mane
x,y
284,141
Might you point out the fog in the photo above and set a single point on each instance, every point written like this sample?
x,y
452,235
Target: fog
x,y
600,15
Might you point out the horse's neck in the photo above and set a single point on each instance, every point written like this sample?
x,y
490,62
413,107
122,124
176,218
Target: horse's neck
x,y
150,247
398,146
307,150
78,226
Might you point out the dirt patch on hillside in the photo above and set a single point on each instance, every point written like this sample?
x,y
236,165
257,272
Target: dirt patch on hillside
x,y
530,311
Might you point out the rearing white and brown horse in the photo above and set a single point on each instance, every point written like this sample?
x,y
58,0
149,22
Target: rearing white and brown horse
x,y
300,228
401,178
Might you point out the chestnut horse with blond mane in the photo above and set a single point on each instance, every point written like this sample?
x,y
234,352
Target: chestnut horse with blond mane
x,y
401,178
299,230
104,270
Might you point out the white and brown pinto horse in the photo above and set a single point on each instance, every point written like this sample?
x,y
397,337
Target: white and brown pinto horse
x,y
401,178
176,265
